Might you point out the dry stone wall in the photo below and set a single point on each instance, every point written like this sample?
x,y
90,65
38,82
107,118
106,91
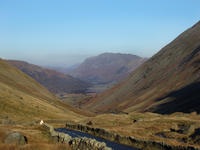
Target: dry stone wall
x,y
76,143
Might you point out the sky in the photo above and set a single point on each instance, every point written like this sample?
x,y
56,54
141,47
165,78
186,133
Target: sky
x,y
65,32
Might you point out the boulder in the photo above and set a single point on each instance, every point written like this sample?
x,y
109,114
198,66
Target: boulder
x,y
89,123
16,138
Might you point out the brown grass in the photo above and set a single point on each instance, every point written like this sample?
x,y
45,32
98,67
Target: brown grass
x,y
2,136
148,125
38,139
22,99
35,147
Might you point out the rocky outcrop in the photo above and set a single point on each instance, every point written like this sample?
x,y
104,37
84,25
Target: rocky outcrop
x,y
75,143
16,138
127,140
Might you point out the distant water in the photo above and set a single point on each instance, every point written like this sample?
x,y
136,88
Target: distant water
x,y
114,146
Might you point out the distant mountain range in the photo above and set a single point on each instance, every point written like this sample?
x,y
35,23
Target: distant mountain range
x,y
166,83
107,68
56,82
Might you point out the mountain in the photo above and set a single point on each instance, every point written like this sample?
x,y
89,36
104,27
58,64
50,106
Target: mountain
x,y
56,82
107,67
166,83
22,98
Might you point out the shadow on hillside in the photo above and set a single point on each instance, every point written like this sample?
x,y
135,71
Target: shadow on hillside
x,y
190,57
185,100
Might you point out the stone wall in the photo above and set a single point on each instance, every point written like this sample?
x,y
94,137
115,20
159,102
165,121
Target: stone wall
x,y
126,140
75,143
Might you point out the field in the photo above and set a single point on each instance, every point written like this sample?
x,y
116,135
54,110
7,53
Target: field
x,y
174,129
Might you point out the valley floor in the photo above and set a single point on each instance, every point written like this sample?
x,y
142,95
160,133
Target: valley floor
x,y
175,129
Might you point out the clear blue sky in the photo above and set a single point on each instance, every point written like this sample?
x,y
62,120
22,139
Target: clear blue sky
x,y
64,32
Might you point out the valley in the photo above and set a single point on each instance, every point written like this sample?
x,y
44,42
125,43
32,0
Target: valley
x,y
56,82
105,86
107,68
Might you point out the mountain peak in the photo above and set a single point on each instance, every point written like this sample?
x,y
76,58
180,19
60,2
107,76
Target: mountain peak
x,y
107,67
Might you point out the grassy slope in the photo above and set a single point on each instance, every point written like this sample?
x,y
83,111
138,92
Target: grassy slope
x,y
176,66
22,98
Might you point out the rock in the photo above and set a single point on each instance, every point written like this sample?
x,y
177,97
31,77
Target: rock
x,y
64,138
138,120
134,121
87,143
107,148
89,123
16,138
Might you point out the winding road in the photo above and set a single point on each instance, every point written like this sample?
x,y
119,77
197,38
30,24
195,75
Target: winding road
x,y
114,146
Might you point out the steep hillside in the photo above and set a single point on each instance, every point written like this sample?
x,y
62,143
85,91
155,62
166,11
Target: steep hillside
x,y
56,82
22,98
166,83
107,67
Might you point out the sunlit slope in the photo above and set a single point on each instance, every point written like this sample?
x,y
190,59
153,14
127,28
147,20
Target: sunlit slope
x,y
166,83
21,97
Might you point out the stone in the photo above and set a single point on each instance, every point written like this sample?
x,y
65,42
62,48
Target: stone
x,y
64,138
16,138
134,121
89,123
107,148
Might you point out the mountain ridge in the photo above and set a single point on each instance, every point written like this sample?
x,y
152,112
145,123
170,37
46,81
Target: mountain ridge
x,y
107,67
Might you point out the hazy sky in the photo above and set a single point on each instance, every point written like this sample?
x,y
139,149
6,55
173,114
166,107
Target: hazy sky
x,y
65,32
